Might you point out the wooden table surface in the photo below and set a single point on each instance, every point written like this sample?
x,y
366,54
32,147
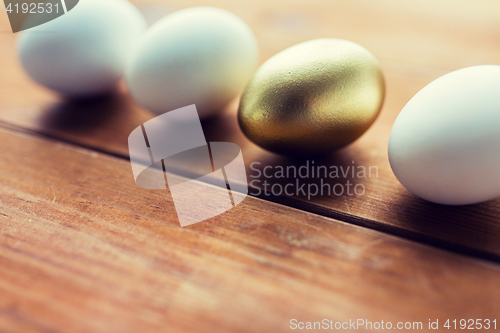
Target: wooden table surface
x,y
83,249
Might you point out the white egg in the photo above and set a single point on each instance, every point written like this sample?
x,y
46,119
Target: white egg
x,y
202,56
445,144
84,51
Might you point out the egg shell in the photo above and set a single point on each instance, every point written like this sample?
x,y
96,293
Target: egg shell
x,y
202,56
312,98
83,52
445,144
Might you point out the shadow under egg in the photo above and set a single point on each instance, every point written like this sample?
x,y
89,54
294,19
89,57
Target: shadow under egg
x,y
77,115
466,228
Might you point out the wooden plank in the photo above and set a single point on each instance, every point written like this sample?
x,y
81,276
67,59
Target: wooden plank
x,y
83,249
416,43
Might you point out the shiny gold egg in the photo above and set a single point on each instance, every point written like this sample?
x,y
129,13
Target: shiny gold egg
x,y
312,98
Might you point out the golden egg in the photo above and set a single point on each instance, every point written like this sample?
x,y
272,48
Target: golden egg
x,y
312,98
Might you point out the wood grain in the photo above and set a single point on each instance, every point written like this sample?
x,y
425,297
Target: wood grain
x,y
83,249
416,42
